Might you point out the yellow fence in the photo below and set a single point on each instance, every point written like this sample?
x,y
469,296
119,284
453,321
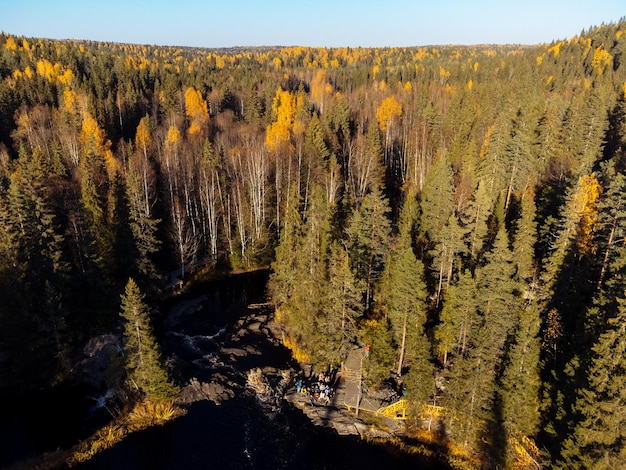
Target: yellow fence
x,y
398,409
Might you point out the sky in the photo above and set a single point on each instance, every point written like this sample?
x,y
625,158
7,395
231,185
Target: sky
x,y
325,23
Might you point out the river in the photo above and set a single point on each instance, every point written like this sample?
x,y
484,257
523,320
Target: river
x,y
242,432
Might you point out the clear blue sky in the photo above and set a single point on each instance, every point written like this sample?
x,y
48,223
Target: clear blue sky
x,y
330,23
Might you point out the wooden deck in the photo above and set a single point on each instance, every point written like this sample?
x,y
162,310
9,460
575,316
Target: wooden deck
x,y
349,389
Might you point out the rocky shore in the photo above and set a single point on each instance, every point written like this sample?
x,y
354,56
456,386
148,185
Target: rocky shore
x,y
242,361
219,357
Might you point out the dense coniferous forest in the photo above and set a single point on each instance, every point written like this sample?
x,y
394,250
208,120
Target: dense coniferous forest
x,y
462,210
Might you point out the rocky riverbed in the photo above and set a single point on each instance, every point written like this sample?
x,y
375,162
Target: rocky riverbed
x,y
239,389
248,356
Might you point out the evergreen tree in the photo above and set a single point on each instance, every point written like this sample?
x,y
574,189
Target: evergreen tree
x,y
521,381
439,226
283,279
472,393
612,220
343,307
475,221
598,441
525,238
142,224
498,294
378,335
469,394
437,200
458,320
407,305
368,233
144,368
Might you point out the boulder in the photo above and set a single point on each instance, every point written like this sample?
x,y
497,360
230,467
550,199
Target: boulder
x,y
91,366
198,391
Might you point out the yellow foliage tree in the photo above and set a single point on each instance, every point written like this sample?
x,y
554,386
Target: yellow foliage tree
x,y
173,136
601,59
278,133
46,69
196,110
387,112
584,201
443,76
321,90
143,139
91,135
94,142
10,44
67,78
69,100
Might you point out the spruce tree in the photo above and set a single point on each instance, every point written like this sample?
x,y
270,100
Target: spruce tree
x,y
406,308
343,306
599,440
525,238
498,294
458,321
469,394
407,305
142,224
521,382
144,368
368,239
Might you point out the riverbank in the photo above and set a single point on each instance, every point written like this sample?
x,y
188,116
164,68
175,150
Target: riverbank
x,y
216,339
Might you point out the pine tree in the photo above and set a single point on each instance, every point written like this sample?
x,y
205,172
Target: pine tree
x,y
144,367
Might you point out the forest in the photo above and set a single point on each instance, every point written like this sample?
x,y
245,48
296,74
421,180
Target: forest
x,y
459,209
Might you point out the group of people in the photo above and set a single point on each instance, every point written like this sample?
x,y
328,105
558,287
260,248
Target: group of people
x,y
318,389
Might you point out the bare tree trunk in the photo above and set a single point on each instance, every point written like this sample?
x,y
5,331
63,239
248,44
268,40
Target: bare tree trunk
x,y
240,220
510,189
605,262
403,345
256,180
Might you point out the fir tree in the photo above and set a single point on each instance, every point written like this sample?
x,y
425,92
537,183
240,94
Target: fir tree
x,y
144,368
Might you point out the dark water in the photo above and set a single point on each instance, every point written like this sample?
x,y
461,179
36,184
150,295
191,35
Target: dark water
x,y
237,435
241,433
42,421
